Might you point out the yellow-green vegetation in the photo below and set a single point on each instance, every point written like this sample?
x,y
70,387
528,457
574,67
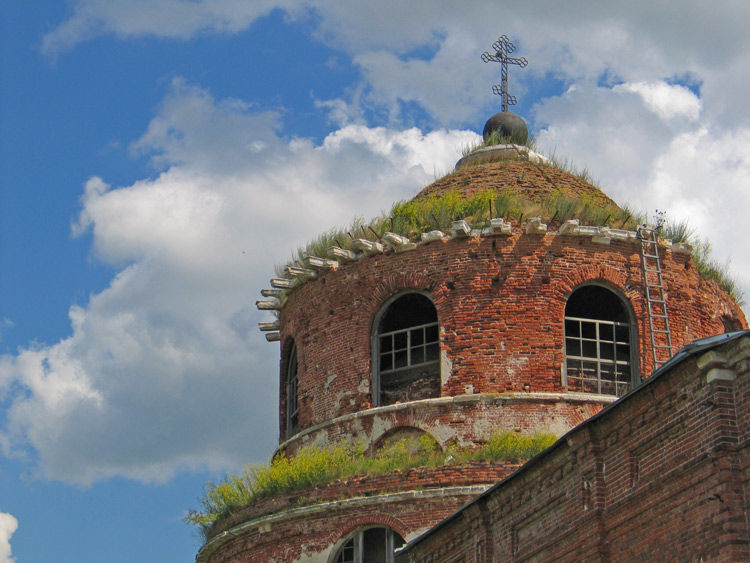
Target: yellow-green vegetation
x,y
410,218
315,466
709,267
513,447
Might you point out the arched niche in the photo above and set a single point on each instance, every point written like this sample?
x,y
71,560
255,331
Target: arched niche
x,y
413,438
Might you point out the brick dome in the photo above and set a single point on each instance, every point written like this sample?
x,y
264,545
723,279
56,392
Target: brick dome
x,y
523,326
499,338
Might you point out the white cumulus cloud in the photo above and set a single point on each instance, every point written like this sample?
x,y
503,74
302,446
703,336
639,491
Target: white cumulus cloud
x,y
165,368
666,100
8,526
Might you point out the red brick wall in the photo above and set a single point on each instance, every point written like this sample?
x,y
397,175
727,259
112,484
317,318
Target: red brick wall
x,y
313,533
500,303
662,475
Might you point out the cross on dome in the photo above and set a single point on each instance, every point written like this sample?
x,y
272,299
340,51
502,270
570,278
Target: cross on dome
x,y
503,47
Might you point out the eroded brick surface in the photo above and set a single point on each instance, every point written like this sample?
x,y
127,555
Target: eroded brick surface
x,y
500,303
662,475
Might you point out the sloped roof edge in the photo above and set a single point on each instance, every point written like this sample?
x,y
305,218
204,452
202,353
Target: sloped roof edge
x,y
694,348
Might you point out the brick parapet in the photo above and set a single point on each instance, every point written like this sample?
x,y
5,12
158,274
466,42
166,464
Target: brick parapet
x,y
363,486
312,533
661,474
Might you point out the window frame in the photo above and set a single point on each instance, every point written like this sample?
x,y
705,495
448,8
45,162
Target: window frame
x,y
375,372
621,386
292,392
356,539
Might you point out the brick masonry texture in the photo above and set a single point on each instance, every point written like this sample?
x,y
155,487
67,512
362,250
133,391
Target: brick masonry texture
x,y
500,304
418,478
313,533
662,474
530,181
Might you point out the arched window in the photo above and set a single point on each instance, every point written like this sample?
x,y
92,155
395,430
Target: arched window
x,y
292,399
406,357
370,545
598,342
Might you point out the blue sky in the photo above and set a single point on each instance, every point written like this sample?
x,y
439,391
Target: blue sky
x,y
159,157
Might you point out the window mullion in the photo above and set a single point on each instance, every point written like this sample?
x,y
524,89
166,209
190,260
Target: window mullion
x,y
359,547
408,347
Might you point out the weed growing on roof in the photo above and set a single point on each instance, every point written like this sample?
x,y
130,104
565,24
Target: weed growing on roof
x,y
413,217
566,165
410,218
679,231
514,447
497,138
708,267
315,466
711,269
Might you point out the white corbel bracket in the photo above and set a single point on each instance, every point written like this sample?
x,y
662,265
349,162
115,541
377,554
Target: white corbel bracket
x,y
283,283
399,243
341,254
269,326
369,247
302,273
460,229
535,226
569,227
268,304
394,239
273,336
498,226
432,236
317,263
682,248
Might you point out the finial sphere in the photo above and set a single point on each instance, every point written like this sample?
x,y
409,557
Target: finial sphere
x,y
507,125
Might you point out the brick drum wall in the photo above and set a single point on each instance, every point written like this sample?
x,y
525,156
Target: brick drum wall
x,y
500,302
661,475
465,421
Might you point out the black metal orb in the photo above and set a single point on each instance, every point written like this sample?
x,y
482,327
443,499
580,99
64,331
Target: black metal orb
x,y
508,126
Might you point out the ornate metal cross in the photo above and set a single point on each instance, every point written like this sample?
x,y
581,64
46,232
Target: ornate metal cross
x,y
503,47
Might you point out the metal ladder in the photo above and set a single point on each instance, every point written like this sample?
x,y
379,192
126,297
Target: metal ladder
x,y
658,318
